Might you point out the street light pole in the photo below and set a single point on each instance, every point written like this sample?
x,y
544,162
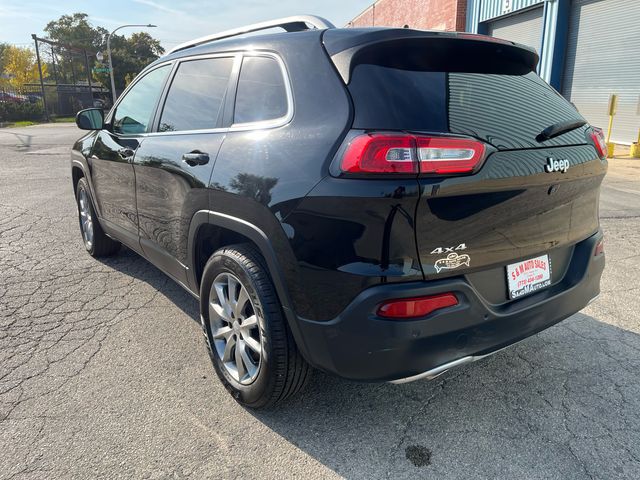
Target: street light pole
x,y
113,84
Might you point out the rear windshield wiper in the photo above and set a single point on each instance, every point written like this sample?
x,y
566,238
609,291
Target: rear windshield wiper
x,y
558,129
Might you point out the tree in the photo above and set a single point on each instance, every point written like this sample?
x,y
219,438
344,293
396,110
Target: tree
x,y
3,48
129,55
19,66
77,31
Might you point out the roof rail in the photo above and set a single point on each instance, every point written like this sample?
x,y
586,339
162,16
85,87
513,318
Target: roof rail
x,y
296,23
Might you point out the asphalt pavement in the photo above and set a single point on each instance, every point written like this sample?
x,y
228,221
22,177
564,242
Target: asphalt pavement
x,y
104,374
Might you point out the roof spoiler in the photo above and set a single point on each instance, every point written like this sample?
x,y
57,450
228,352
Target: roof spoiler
x,y
296,23
425,50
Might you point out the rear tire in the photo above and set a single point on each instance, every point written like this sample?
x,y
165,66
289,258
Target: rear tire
x,y
97,243
251,347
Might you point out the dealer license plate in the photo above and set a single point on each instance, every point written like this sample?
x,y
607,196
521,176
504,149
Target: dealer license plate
x,y
528,276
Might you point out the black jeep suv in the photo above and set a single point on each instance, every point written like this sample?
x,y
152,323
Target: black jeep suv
x,y
383,204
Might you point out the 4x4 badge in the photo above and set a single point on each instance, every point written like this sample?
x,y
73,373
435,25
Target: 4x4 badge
x,y
441,250
556,165
452,261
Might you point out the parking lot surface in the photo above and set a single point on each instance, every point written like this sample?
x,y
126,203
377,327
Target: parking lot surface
x,y
103,370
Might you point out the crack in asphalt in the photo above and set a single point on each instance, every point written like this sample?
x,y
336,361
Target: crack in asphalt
x,y
55,313
562,404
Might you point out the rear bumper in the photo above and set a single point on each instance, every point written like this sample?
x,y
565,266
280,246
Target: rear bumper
x,y
362,346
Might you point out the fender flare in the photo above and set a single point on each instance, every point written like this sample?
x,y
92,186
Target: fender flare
x,y
262,242
87,177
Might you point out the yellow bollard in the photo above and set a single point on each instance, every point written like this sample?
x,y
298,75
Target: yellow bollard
x,y
635,148
613,103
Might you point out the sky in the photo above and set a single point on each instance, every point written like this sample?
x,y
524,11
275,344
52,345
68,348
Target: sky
x,y
177,21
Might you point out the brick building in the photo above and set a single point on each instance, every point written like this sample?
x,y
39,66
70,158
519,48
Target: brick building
x,y
420,14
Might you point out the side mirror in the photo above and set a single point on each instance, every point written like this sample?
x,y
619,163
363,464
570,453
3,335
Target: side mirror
x,y
90,119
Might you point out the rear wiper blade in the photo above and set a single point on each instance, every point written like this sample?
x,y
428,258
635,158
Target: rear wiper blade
x,y
558,129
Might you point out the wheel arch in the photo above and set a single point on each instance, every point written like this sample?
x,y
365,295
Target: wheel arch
x,y
76,174
78,171
216,230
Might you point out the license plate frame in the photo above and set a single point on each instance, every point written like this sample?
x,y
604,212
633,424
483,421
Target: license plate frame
x,y
528,276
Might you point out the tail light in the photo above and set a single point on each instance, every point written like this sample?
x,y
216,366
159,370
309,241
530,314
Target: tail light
x,y
412,154
416,307
448,156
380,153
597,137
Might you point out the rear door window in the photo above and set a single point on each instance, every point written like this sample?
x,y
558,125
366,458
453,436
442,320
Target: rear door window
x,y
196,95
505,110
262,93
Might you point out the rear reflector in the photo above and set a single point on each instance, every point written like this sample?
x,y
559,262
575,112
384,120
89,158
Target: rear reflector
x,y
416,307
597,137
401,153
599,248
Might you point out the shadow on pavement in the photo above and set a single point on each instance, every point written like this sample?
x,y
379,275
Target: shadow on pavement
x,y
133,265
562,404
23,141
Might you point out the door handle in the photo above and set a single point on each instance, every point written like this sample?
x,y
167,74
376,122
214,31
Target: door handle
x,y
195,158
126,153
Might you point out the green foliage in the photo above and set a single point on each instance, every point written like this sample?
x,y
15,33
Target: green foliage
x,y
77,31
12,112
129,55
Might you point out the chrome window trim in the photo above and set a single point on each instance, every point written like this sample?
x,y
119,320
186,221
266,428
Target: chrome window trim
x,y
236,127
273,122
138,78
240,127
237,56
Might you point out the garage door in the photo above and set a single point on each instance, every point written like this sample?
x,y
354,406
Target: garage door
x,y
603,57
524,27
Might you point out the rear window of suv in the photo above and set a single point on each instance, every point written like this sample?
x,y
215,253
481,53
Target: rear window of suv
x,y
505,110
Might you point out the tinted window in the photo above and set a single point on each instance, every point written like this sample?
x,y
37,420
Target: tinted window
x,y
134,112
196,95
506,110
261,91
390,99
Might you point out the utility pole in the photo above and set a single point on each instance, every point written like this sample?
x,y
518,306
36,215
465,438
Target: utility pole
x,y
44,100
53,62
86,64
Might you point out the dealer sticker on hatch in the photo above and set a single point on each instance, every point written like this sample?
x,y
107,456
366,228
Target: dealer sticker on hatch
x,y
528,276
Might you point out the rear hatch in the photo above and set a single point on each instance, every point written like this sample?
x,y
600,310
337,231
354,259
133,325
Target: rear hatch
x,y
511,207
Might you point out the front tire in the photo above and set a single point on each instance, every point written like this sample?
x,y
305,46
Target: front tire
x,y
250,344
97,243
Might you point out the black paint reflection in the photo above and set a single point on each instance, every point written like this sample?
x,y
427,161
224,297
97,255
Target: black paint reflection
x,y
253,186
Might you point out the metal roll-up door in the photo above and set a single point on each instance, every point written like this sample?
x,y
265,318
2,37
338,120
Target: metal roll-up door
x,y
524,27
603,57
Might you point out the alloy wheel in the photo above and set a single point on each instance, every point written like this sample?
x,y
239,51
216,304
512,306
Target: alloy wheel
x,y
86,219
235,328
